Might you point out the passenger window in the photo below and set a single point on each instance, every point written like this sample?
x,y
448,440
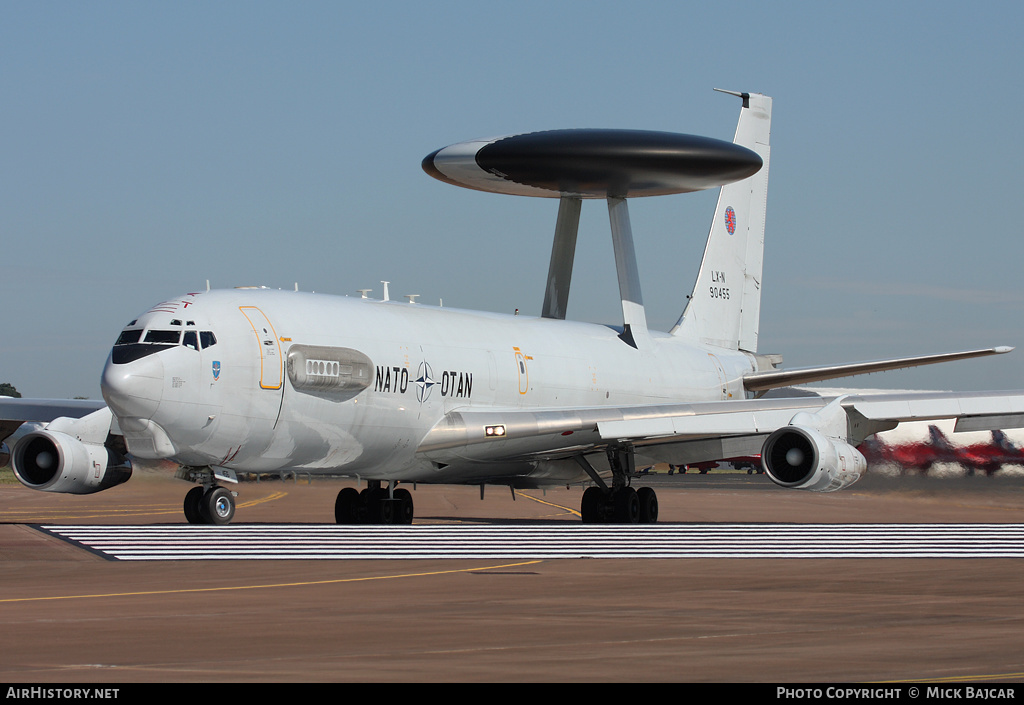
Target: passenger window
x,y
207,338
190,340
163,336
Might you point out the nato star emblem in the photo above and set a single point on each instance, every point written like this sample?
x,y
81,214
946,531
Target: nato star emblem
x,y
423,382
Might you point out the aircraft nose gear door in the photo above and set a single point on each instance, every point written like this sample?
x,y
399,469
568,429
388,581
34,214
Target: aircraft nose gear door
x,y
271,360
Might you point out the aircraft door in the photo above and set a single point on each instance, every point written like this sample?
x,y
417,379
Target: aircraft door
x,y
524,374
271,360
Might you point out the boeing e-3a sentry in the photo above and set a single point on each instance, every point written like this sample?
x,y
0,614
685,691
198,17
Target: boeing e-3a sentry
x,y
253,380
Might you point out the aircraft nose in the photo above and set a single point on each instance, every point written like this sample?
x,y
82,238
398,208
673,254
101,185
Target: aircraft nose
x,y
134,388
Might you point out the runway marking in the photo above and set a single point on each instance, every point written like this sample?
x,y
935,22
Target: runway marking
x,y
135,509
268,498
50,515
271,585
962,679
563,540
538,500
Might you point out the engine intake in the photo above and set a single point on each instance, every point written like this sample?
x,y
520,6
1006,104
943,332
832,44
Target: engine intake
x,y
802,458
52,461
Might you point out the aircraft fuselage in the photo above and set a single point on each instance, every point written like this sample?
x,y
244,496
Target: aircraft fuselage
x,y
263,380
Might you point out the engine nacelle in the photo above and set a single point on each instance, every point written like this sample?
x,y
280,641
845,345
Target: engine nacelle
x,y
52,461
802,458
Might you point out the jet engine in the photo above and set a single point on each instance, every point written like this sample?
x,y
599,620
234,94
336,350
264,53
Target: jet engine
x,y
802,458
52,461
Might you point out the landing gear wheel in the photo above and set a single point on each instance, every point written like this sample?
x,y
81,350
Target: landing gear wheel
x,y
218,506
372,501
590,506
648,499
386,510
193,506
627,506
346,506
403,506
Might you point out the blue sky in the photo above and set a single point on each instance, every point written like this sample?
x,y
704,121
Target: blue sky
x,y
149,147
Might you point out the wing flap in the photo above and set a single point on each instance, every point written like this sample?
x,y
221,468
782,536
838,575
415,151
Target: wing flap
x,y
699,425
702,450
976,411
994,422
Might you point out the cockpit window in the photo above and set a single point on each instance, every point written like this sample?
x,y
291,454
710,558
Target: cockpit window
x,y
163,336
129,347
129,336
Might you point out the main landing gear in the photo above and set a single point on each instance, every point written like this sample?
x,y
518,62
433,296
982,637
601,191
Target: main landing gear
x,y
374,505
212,505
620,506
620,503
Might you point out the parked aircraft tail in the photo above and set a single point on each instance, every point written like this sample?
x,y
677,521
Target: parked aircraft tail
x,y
724,307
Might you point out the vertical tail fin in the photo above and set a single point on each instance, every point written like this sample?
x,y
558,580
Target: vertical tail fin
x,y
725,305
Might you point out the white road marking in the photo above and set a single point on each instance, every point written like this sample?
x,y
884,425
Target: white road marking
x,y
332,542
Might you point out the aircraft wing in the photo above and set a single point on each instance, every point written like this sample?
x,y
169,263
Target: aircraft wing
x,y
682,433
772,379
15,412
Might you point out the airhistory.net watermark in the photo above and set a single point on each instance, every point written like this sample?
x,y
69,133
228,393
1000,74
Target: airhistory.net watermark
x,y
48,693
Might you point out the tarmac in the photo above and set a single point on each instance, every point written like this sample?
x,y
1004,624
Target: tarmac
x,y
68,615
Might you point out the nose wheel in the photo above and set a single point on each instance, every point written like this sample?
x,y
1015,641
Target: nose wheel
x,y
214,505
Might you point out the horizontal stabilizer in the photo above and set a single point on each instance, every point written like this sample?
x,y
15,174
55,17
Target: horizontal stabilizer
x,y
763,381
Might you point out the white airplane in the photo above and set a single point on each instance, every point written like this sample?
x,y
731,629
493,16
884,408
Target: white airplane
x,y
254,380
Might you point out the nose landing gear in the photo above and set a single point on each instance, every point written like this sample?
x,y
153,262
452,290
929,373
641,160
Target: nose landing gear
x,y
209,503
215,505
